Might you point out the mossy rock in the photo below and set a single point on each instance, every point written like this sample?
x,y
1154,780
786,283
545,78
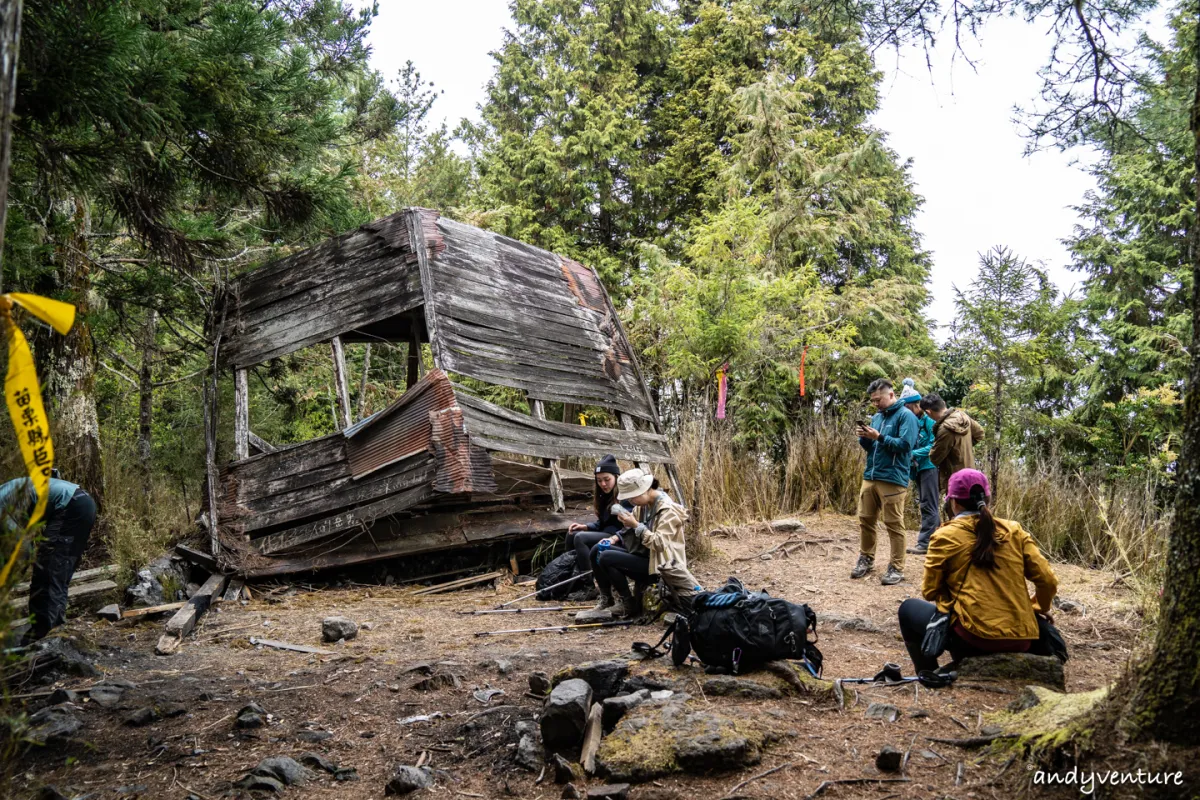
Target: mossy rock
x,y
1042,719
660,740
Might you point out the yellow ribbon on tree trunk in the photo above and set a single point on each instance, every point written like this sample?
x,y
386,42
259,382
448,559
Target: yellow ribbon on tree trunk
x,y
24,397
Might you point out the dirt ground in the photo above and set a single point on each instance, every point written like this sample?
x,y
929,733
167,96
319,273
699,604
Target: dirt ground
x,y
363,694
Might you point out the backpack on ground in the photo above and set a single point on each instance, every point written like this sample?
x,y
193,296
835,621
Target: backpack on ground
x,y
557,571
732,630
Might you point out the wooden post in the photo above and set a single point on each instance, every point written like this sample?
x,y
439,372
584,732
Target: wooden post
x,y
339,379
362,382
414,354
556,488
241,415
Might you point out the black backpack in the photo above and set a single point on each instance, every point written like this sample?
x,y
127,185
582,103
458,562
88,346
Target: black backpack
x,y
557,571
732,630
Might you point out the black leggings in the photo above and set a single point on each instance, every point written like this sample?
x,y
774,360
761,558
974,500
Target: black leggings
x,y
63,542
614,566
582,543
915,615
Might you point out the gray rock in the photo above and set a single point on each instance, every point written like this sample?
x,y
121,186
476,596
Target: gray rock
x,y
65,654
919,713
334,629
787,526
611,791
260,783
539,683
1067,606
318,761
733,686
594,615
604,677
1025,701
565,771
661,695
569,792
143,716
111,612
284,769
162,576
63,696
842,623
565,716
529,753
889,759
884,711
50,793
525,726
929,754
54,724
107,694
313,737
1023,667
406,780
617,707
346,774
683,739
250,717
440,680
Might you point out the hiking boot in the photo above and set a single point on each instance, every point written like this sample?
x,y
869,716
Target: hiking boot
x,y
605,602
620,607
892,576
865,564
918,550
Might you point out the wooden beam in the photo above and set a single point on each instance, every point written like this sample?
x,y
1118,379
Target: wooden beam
x,y
241,415
260,444
414,355
296,648
416,235
196,557
556,489
78,590
133,613
591,739
185,618
82,576
461,583
340,385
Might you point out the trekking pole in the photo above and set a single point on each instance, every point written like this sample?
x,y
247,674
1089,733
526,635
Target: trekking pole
x,y
545,589
559,628
478,611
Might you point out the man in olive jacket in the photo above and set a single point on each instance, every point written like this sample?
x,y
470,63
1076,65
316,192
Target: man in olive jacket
x,y
889,442
954,437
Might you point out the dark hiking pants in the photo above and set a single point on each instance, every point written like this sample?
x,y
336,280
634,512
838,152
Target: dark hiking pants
x,y
615,567
915,614
927,499
64,540
582,543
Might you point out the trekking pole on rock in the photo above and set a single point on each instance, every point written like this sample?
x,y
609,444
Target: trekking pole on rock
x,y
545,589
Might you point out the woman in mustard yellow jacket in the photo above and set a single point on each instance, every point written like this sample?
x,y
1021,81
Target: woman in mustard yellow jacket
x,y
975,571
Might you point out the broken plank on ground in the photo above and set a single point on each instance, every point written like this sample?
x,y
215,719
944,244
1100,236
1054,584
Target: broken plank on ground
x,y
298,648
185,618
460,583
78,590
133,613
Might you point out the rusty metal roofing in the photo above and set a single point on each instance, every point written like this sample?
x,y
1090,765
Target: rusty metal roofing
x,y
401,429
461,466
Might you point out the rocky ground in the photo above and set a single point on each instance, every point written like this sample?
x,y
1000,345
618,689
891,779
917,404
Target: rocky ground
x,y
416,688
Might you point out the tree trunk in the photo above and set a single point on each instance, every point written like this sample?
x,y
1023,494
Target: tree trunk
x,y
360,413
998,424
145,438
69,366
1164,701
10,38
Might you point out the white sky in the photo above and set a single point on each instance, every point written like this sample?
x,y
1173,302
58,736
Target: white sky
x,y
956,124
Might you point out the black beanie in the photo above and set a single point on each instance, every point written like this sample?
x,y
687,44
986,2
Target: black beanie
x,y
608,464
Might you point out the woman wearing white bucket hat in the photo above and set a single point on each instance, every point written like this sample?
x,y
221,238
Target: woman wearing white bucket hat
x,y
643,548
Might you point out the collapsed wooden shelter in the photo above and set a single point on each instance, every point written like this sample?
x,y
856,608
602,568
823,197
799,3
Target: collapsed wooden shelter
x,y
441,467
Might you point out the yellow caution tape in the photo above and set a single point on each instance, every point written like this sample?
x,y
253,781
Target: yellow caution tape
x,y
24,397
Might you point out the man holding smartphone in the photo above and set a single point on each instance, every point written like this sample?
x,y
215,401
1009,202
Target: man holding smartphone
x,y
888,439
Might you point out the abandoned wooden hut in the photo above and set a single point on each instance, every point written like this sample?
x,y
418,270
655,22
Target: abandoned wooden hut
x,y
441,467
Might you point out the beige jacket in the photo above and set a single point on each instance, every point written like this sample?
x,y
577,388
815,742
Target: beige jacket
x,y
660,534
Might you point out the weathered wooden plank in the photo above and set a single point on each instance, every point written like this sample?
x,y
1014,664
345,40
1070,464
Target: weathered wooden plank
x,y
564,451
504,346
340,384
591,739
362,516
134,613
233,592
193,556
289,460
73,591
628,424
185,618
462,583
260,444
556,429
241,415
416,235
414,356
82,576
295,648
556,487
305,269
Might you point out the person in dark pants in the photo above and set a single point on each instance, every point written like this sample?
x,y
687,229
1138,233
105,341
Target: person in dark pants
x,y
975,571
924,472
70,516
583,537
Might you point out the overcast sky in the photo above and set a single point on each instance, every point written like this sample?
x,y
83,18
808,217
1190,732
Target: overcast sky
x,y
956,124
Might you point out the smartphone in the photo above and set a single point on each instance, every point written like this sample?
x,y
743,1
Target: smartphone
x,y
864,423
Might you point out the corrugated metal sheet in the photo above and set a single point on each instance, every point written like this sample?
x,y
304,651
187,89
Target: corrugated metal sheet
x,y
461,467
401,429
584,285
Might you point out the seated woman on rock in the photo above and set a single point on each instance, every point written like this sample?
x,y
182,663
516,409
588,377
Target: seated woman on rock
x,y
975,571
642,549
582,537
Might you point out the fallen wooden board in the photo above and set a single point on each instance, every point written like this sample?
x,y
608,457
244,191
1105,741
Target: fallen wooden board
x,y
79,590
298,648
196,557
185,618
133,613
459,584
591,739
234,592
83,576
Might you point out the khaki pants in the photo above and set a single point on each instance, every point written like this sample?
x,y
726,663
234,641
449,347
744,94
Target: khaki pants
x,y
876,496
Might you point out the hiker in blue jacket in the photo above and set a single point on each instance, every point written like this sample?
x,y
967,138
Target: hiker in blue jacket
x,y
924,471
889,441
70,515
